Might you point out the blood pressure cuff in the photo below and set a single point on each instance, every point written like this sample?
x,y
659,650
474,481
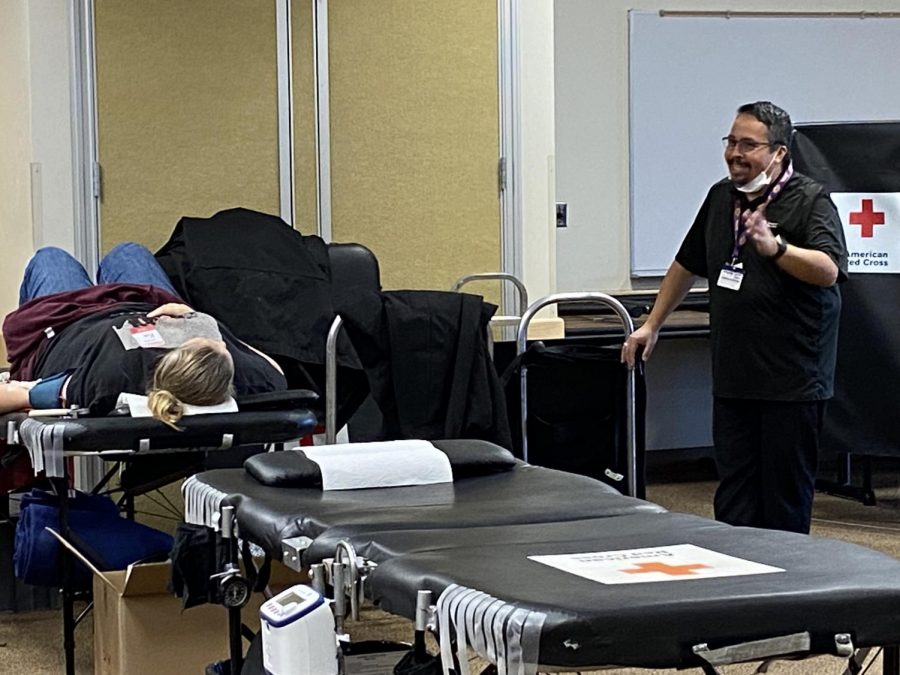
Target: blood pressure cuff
x,y
293,469
46,393
195,557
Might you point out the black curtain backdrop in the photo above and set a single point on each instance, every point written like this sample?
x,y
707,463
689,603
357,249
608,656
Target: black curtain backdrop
x,y
864,416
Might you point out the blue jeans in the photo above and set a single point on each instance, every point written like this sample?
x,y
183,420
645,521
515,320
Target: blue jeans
x,y
52,270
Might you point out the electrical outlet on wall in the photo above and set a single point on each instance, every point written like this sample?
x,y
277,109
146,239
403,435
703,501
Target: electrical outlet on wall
x,y
562,214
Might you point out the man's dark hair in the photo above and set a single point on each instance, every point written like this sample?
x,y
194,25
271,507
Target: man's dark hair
x,y
777,121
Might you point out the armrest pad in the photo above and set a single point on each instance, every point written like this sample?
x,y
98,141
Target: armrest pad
x,y
290,399
197,431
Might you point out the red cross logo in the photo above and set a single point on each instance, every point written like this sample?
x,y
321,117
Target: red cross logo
x,y
867,219
671,570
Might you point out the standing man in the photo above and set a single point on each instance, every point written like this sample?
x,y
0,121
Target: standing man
x,y
771,244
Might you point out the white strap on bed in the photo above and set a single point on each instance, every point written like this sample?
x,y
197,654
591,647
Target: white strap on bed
x,y
45,446
137,406
506,635
353,466
202,503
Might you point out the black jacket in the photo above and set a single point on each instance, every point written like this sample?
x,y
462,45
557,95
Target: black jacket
x,y
271,286
424,352
267,282
429,368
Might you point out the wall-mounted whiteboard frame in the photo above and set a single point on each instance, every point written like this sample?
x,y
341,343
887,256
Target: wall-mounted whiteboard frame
x,y
688,72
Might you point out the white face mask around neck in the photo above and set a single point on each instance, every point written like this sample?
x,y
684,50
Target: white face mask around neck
x,y
758,183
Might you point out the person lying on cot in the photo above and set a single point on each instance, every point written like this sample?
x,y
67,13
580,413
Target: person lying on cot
x,y
74,343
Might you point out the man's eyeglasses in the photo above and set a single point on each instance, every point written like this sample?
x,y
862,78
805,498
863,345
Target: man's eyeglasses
x,y
743,144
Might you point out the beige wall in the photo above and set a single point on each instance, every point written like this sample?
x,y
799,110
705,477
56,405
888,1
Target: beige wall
x,y
15,151
187,109
415,136
458,221
187,125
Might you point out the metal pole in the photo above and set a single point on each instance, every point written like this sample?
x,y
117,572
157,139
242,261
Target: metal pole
x,y
505,328
285,111
61,487
509,173
729,14
323,116
501,276
236,647
331,380
423,611
86,167
628,329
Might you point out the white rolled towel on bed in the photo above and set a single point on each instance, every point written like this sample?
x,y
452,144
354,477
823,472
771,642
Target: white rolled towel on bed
x,y
137,406
353,466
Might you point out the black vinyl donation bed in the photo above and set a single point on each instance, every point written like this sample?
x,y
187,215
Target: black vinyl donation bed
x,y
145,445
473,544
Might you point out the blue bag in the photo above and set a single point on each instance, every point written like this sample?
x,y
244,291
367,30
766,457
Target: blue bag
x,y
107,540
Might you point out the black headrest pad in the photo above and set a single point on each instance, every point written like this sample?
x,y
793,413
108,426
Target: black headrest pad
x,y
289,468
292,469
471,457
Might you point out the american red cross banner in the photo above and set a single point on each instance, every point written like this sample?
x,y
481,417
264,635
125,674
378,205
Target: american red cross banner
x,y
872,228
859,164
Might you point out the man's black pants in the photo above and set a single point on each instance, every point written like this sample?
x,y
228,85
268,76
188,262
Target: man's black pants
x,y
766,455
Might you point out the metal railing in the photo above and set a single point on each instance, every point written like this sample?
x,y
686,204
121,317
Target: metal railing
x,y
628,329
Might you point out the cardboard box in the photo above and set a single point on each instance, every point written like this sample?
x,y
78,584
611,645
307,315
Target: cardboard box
x,y
540,328
139,627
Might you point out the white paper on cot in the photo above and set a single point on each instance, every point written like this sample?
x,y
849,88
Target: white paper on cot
x,y
731,277
137,406
355,466
681,562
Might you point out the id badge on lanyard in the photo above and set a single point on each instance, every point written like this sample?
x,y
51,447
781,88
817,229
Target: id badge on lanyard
x,y
731,276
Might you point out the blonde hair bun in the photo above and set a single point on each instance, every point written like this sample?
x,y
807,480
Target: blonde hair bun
x,y
192,374
165,406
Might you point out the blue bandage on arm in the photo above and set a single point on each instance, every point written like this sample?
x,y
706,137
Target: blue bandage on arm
x,y
46,393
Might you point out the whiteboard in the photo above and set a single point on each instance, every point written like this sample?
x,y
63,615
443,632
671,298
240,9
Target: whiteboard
x,y
688,75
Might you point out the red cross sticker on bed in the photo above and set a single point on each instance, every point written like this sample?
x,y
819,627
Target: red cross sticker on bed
x,y
681,562
872,229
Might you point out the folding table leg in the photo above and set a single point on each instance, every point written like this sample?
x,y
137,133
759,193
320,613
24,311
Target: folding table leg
x,y
890,660
61,488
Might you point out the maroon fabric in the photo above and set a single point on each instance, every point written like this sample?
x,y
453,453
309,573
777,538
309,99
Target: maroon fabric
x,y
24,329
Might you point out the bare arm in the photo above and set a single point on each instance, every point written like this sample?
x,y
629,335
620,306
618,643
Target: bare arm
x,y
14,396
813,267
268,358
170,309
675,285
